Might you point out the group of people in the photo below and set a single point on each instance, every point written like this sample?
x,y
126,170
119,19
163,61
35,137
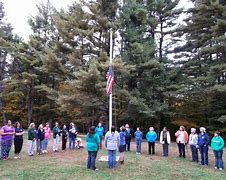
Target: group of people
x,y
38,138
120,141
114,141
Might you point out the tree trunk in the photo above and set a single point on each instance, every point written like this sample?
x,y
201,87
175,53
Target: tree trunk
x,y
30,101
161,40
3,113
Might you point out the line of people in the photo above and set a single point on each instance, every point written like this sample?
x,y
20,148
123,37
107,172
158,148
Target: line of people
x,y
115,141
38,139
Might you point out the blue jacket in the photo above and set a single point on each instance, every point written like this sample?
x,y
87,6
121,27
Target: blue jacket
x,y
138,135
151,136
203,139
99,131
122,138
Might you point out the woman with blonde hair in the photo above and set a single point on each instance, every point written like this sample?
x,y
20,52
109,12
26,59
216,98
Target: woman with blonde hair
x,y
182,140
32,137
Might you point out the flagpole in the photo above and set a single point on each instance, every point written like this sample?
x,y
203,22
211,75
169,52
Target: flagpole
x,y
110,97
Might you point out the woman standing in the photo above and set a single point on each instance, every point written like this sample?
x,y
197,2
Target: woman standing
x,y
193,142
122,144
217,144
93,141
138,137
56,137
18,140
165,141
182,140
100,131
151,137
40,139
47,137
112,142
72,136
32,137
203,142
7,133
64,137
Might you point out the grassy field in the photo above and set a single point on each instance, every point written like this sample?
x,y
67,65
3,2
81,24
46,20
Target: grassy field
x,y
72,165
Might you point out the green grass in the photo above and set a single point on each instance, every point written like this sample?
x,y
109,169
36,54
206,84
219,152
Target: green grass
x,y
72,165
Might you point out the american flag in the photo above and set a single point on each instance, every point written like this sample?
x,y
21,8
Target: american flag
x,y
110,80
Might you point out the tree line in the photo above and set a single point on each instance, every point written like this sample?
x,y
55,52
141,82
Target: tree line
x,y
168,71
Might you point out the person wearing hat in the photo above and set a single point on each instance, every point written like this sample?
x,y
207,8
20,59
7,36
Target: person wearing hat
x,y
203,142
217,144
193,142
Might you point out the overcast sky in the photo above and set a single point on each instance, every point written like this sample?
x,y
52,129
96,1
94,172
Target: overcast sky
x,y
18,12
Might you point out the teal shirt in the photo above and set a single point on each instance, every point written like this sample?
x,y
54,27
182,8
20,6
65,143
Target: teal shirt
x,y
92,142
217,143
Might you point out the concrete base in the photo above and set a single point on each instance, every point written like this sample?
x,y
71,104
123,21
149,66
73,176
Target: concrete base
x,y
105,159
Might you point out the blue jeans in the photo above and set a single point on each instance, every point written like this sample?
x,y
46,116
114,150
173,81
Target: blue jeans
x,y
218,159
194,152
128,144
138,143
111,158
91,161
45,144
71,142
165,148
204,155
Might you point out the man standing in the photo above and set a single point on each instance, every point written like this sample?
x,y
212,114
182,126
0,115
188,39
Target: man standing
x,y
128,137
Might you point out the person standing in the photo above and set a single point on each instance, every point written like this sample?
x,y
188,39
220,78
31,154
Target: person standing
x,y
165,141
128,137
7,132
138,137
18,140
122,144
151,137
32,137
112,142
47,137
217,145
182,140
72,136
100,131
193,142
92,141
40,139
64,137
56,137
203,142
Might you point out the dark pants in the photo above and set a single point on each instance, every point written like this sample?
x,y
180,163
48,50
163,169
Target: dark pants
x,y
91,162
18,143
218,159
138,143
194,152
151,147
165,148
204,155
64,143
181,148
128,144
100,141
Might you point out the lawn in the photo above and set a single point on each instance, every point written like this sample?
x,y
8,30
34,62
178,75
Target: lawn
x,y
71,164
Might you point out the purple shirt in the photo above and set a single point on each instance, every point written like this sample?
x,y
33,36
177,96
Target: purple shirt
x,y
7,129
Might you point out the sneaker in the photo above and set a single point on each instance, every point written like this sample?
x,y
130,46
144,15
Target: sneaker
x,y
220,169
16,157
137,153
96,169
215,167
